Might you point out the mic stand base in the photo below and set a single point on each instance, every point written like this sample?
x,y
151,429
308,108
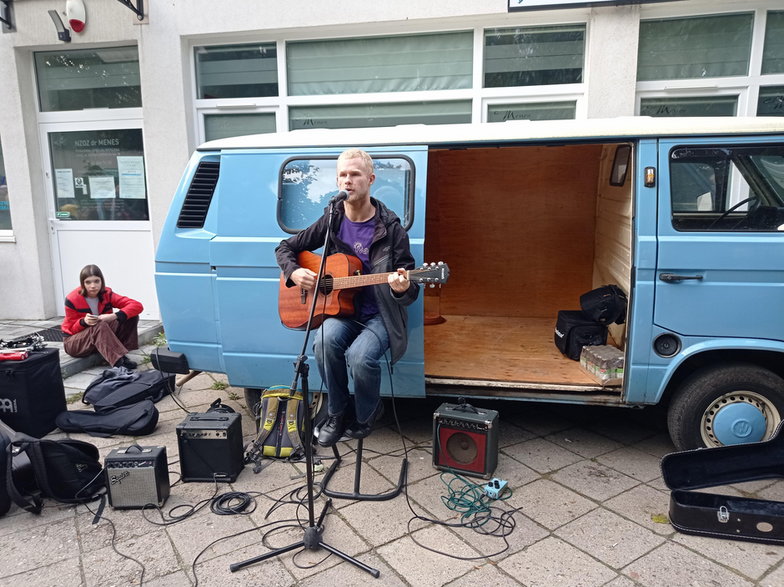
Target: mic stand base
x,y
312,540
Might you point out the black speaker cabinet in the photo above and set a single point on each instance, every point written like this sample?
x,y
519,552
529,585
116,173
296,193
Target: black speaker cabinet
x,y
465,440
210,446
137,476
32,393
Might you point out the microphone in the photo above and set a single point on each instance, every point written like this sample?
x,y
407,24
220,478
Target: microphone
x,y
341,195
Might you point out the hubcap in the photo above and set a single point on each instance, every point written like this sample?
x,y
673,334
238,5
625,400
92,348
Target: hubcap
x,y
737,418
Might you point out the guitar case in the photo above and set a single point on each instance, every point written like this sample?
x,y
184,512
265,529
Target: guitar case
x,y
726,516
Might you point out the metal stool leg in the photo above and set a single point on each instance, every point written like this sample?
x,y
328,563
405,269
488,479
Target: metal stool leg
x,y
357,494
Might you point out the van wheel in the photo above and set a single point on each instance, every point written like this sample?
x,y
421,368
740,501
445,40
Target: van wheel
x,y
719,406
318,405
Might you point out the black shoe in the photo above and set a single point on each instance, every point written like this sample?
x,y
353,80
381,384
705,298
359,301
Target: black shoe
x,y
358,430
127,363
331,431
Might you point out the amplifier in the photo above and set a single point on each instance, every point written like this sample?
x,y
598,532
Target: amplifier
x,y
210,446
465,440
137,476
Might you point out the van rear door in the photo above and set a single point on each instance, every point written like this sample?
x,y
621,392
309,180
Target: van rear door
x,y
267,195
720,263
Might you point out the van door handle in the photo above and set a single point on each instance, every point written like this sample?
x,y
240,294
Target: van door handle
x,y
670,277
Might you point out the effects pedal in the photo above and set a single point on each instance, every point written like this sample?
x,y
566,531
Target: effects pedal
x,y
495,487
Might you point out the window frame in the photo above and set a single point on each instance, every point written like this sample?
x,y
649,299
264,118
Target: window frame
x,y
747,88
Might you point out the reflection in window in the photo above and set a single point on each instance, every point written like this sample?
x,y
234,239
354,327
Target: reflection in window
x,y
308,184
221,126
727,188
698,106
403,63
99,175
372,115
773,53
534,111
237,71
88,78
700,47
5,207
771,101
534,56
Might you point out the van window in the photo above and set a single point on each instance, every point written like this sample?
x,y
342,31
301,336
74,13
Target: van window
x,y
307,185
727,188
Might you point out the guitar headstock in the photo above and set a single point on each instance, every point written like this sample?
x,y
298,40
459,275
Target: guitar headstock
x,y
431,274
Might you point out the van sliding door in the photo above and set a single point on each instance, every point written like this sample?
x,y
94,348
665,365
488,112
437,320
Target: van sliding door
x,y
268,195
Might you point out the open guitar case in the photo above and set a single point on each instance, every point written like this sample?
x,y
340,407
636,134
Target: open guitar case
x,y
726,516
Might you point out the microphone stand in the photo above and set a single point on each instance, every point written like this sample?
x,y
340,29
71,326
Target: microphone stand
x,y
313,537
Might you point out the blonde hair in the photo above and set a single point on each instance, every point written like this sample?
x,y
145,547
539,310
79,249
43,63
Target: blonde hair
x,y
358,154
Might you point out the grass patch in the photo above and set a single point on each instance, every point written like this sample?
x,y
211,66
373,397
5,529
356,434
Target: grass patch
x,y
219,385
159,339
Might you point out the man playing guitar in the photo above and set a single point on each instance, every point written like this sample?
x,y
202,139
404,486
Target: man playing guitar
x,y
353,345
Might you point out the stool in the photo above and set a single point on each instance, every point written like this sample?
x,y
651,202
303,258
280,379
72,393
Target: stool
x,y
357,479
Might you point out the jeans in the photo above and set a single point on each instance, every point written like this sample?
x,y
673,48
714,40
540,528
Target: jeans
x,y
346,348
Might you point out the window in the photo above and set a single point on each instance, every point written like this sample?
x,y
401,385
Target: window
x,y
532,111
308,184
534,56
728,188
99,175
402,63
702,106
5,207
220,126
89,78
700,47
771,101
237,71
372,115
773,54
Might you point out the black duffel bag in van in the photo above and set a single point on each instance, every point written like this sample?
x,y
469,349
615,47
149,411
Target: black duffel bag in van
x,y
574,330
605,304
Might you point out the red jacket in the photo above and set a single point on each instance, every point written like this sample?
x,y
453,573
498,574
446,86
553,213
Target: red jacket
x,y
76,308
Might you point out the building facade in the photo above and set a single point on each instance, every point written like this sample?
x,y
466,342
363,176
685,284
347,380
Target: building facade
x,y
95,131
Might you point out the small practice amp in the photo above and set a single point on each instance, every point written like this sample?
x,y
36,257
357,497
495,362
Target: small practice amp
x,y
137,476
210,446
465,440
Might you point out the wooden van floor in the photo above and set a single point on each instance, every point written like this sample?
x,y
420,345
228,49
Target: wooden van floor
x,y
499,349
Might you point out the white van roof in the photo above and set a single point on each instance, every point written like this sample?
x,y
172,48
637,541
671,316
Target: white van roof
x,y
626,127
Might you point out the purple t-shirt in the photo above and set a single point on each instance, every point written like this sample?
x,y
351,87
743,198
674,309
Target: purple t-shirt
x,y
358,236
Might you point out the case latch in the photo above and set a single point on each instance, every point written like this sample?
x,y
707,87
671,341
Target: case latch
x,y
723,514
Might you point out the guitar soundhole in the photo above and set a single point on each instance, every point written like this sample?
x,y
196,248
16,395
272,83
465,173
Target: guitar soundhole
x,y
326,285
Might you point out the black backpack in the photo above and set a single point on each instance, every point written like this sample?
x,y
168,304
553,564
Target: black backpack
x,y
137,419
605,304
118,387
68,471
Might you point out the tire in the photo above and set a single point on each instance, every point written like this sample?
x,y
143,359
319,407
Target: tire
x,y
731,404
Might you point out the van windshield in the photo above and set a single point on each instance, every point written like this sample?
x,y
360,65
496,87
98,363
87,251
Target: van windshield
x,y
727,188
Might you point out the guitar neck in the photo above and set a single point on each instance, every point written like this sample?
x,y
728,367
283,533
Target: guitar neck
x,y
361,280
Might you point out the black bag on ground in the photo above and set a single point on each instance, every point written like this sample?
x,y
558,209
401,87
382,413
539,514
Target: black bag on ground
x,y
117,387
605,305
574,330
138,419
68,471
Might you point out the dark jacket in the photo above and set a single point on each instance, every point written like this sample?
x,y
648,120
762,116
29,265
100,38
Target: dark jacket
x,y
388,251
76,308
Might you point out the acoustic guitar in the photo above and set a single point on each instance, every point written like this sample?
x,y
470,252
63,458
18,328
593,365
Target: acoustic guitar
x,y
342,277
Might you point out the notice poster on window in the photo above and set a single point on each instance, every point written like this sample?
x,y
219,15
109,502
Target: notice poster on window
x,y
64,183
101,186
131,174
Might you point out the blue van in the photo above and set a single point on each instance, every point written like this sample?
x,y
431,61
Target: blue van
x,y
686,216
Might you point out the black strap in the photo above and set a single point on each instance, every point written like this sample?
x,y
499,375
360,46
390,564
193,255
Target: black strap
x,y
35,503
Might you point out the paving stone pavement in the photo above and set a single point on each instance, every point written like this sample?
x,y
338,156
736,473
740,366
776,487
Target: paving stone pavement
x,y
588,507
